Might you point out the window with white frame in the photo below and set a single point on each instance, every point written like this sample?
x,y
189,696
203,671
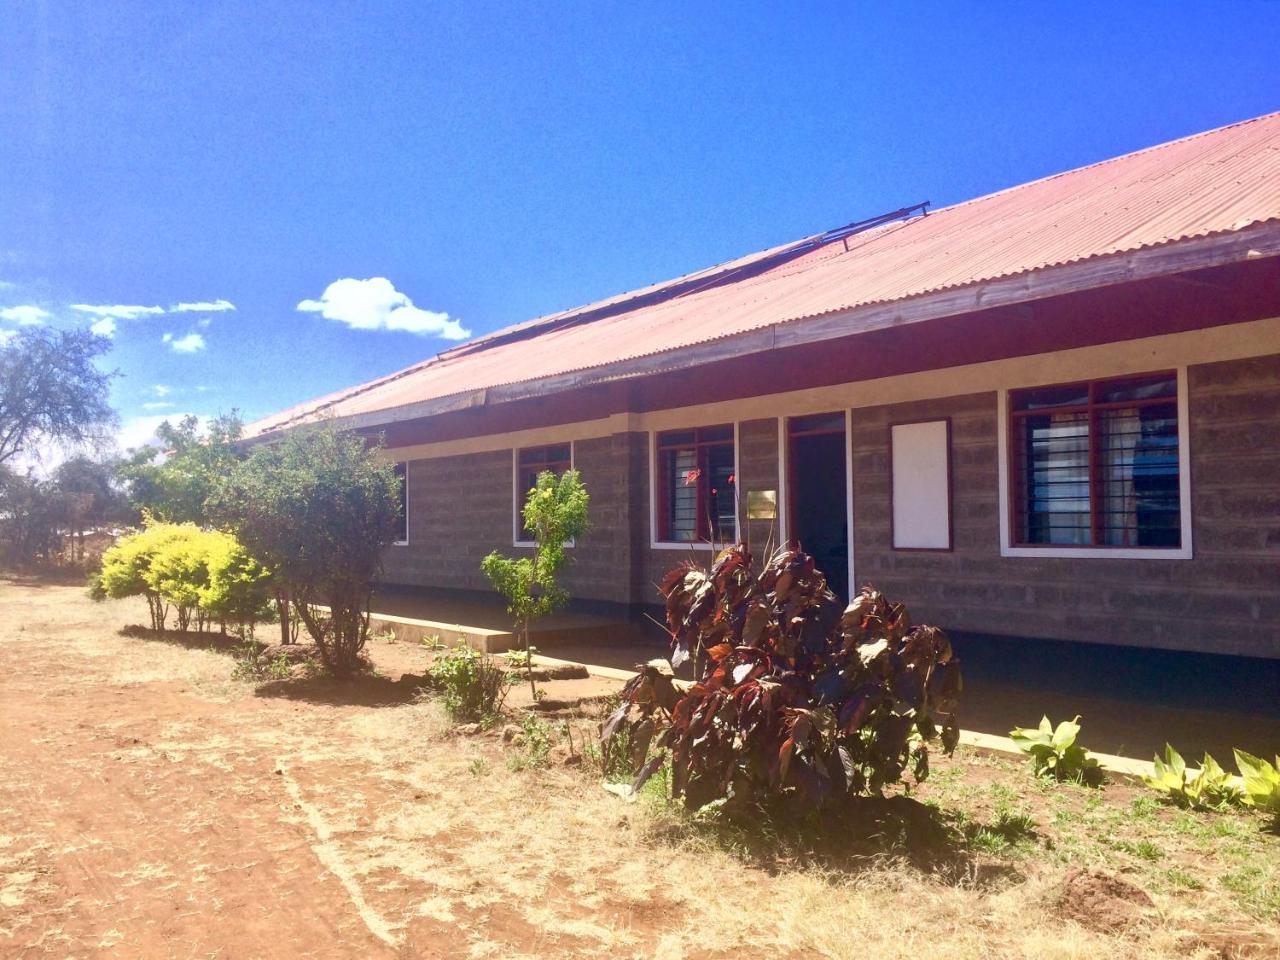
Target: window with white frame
x,y
529,463
402,479
696,500
1097,464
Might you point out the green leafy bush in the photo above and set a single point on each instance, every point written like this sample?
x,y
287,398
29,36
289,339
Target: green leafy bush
x,y
533,744
1261,782
319,508
1055,753
794,700
555,512
1212,788
472,685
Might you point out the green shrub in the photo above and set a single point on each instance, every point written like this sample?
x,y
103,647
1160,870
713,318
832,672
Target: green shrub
x,y
555,512
1261,782
472,685
1212,788
794,700
319,508
533,744
1055,753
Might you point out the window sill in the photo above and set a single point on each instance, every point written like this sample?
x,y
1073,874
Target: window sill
x,y
682,545
1100,553
533,544
399,543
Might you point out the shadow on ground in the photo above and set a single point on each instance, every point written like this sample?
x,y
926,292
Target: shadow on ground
x,y
40,577
867,833
214,641
363,691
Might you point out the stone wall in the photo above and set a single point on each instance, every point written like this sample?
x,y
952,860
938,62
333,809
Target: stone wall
x,y
1225,600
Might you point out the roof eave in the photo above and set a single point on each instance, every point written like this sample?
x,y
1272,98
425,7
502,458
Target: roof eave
x,y
1258,240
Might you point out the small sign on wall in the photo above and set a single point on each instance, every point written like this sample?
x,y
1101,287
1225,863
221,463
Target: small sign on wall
x,y
762,504
921,466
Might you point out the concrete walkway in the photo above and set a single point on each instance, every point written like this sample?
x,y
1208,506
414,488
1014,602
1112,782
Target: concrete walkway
x,y
1131,702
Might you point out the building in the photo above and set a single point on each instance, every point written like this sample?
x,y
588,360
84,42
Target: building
x,y
1049,412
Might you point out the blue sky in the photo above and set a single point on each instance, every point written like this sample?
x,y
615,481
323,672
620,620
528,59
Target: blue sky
x,y
494,162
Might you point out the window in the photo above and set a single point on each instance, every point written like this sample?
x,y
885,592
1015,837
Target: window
x,y
696,487
1096,464
531,461
402,477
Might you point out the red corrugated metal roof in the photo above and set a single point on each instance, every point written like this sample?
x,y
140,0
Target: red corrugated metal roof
x,y
1220,181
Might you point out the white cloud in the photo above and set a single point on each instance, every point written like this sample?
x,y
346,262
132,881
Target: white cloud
x,y
191,343
158,405
104,327
6,336
375,304
120,311
27,315
204,322
162,389
203,306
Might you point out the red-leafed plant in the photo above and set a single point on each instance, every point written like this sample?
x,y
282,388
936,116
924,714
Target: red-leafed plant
x,y
793,698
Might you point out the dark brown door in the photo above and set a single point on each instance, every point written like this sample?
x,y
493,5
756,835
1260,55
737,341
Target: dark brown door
x,y
817,494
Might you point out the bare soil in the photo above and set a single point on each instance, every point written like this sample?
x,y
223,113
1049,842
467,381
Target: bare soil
x,y
151,806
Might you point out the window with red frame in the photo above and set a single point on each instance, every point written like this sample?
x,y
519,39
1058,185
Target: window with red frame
x,y
697,499
1095,464
532,461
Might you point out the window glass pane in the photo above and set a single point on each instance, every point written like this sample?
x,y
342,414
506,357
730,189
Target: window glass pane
x,y
676,438
711,434
556,453
1053,458
680,469
1072,395
721,479
535,460
528,480
1123,391
1140,499
818,423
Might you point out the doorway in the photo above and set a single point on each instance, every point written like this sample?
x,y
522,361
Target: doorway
x,y
817,493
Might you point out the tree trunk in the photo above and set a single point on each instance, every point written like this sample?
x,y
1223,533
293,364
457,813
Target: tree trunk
x,y
282,605
528,660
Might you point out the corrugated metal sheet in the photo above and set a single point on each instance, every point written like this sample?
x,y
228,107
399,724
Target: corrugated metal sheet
x,y
1214,182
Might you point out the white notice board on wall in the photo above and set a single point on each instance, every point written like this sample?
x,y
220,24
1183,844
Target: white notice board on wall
x,y
921,465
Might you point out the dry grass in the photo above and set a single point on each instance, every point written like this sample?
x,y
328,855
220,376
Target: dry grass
x,y
427,841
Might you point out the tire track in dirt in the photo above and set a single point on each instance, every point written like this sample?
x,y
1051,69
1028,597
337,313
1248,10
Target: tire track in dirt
x,y
116,841
330,855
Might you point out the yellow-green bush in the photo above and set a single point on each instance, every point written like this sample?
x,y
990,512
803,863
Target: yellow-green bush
x,y
238,588
201,575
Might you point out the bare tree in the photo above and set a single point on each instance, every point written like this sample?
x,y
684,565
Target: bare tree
x,y
51,389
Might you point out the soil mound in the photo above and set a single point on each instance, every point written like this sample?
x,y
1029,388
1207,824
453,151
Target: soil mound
x,y
1102,902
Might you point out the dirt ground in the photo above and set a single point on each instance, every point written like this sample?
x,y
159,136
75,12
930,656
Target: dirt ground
x,y
151,806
